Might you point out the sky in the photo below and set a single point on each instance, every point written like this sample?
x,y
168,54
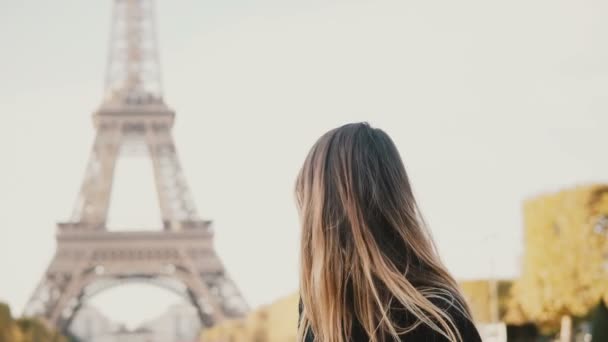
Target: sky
x,y
489,103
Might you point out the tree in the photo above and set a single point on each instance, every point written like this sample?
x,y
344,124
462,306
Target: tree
x,y
25,329
563,271
34,330
9,331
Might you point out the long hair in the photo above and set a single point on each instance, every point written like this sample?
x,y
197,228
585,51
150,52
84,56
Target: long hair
x,y
366,254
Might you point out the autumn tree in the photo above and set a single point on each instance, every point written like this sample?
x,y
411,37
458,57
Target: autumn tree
x,y
564,268
35,331
9,331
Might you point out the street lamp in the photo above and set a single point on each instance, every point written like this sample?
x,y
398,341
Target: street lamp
x,y
494,311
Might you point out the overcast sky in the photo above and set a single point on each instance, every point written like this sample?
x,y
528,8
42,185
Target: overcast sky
x,y
489,103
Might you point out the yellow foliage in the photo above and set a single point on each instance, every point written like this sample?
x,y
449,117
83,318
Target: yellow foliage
x,y
24,329
9,330
275,323
34,330
479,295
563,271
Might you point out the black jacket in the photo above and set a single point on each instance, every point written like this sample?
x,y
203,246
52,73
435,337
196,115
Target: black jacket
x,y
422,333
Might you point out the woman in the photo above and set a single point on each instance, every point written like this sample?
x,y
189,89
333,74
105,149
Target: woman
x,y
369,270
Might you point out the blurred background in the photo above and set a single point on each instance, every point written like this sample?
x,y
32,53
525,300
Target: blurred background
x,y
204,111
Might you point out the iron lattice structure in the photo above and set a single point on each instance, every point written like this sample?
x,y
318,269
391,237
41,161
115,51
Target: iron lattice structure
x,y
181,256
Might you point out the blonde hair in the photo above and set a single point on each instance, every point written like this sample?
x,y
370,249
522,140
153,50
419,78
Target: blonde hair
x,y
365,249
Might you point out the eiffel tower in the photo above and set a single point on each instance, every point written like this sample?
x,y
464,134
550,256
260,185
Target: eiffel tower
x,y
179,257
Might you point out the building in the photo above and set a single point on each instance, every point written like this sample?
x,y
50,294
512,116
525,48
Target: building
x,y
180,323
90,322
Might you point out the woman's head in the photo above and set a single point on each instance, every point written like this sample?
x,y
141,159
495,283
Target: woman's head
x,y
365,249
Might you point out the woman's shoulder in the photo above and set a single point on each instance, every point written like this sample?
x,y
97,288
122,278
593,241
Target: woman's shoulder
x,y
423,333
457,312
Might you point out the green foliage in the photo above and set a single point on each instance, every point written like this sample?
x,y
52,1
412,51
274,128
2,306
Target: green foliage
x,y
5,315
599,323
72,338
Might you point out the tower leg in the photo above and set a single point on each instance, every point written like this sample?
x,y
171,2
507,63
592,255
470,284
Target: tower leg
x,y
208,306
65,307
56,297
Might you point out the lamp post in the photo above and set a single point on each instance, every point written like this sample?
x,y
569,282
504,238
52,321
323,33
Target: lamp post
x,y
494,307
